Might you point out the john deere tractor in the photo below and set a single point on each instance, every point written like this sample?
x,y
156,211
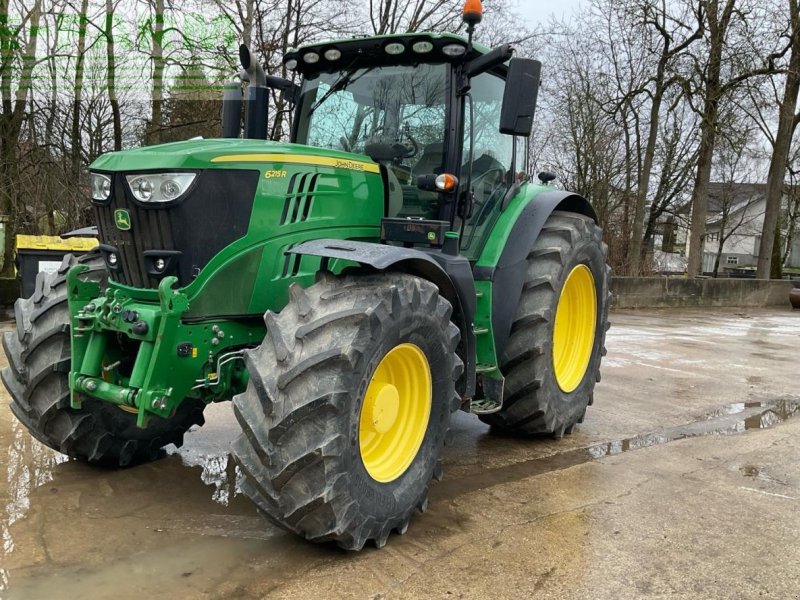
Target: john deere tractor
x,y
349,290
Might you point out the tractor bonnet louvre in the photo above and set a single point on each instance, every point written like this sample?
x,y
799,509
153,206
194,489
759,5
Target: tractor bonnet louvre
x,y
299,198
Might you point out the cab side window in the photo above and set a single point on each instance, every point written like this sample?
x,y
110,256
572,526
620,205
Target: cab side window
x,y
491,160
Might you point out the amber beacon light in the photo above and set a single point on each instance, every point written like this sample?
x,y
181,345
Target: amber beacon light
x,y
473,12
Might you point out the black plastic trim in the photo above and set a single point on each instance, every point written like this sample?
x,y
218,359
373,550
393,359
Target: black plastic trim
x,y
170,259
84,232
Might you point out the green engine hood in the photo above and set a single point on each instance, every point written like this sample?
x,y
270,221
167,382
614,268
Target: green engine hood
x,y
222,153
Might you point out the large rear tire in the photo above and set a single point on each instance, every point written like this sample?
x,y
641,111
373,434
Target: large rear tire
x,y
38,354
348,406
552,359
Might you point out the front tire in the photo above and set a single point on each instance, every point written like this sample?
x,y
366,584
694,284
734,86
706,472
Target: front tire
x,y
348,406
552,360
39,354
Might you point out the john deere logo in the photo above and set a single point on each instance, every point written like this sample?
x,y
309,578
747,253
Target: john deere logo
x,y
122,219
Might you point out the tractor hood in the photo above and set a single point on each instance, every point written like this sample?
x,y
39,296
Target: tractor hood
x,y
221,153
242,196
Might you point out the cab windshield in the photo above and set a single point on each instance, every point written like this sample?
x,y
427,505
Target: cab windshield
x,y
394,114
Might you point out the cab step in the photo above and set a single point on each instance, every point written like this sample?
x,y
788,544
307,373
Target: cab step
x,y
484,406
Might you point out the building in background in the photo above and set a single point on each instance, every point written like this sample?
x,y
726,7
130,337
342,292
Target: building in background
x,y
733,232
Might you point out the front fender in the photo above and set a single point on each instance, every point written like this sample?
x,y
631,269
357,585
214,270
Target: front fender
x,y
451,274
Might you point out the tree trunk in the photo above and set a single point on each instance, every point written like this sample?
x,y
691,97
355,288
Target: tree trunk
x,y
11,121
75,137
717,28
157,56
780,155
111,61
247,26
708,135
776,267
635,249
721,241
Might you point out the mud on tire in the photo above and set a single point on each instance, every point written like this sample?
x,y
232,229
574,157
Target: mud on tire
x,y
533,400
38,354
299,448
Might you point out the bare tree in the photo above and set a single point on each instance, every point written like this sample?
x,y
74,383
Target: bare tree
x,y
730,42
394,16
157,58
674,33
14,46
111,65
788,119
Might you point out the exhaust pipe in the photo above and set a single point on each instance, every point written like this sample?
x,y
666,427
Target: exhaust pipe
x,y
251,66
255,115
232,110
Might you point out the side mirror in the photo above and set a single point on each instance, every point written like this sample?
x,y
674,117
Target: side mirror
x,y
519,98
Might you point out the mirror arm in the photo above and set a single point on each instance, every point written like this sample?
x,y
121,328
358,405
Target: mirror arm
x,y
289,89
489,60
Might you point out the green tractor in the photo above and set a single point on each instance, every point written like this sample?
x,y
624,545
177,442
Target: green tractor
x,y
349,290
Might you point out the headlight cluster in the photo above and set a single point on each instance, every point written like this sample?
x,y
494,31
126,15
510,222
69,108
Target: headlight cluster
x,y
101,187
159,187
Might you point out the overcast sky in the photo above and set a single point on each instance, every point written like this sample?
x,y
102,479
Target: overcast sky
x,y
539,11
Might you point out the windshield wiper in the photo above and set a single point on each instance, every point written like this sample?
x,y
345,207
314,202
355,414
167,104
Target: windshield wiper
x,y
340,84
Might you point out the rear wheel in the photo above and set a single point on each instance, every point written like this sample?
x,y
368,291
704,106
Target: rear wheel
x,y
38,354
552,359
348,406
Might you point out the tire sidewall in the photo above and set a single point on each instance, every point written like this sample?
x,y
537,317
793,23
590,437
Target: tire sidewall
x,y
585,252
381,500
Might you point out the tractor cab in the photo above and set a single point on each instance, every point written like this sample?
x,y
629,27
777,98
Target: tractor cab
x,y
428,108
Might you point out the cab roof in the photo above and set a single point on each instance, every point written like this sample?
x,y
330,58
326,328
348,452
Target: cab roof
x,y
404,49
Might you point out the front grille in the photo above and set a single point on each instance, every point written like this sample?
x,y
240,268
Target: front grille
x,y
150,230
215,213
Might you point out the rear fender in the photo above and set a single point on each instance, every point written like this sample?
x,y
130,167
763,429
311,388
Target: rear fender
x,y
508,275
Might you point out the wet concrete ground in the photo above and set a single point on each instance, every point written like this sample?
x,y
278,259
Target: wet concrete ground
x,y
684,481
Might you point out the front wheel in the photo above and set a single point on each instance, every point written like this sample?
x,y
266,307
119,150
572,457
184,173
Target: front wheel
x,y
552,359
348,406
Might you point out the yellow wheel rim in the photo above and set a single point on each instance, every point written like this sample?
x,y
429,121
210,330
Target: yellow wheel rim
x,y
574,328
395,413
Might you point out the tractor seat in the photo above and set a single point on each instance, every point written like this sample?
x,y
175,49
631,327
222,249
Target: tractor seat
x,y
431,159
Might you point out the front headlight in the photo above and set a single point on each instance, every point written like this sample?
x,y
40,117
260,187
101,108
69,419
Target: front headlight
x,y
101,187
159,187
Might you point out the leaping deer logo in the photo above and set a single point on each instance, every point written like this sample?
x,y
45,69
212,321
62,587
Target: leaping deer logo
x,y
122,219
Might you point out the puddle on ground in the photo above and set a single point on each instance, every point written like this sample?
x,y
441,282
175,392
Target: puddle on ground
x,y
733,418
220,472
29,465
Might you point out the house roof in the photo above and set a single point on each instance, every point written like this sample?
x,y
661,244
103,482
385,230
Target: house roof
x,y
734,194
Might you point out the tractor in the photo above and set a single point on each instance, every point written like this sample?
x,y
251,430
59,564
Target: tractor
x,y
349,290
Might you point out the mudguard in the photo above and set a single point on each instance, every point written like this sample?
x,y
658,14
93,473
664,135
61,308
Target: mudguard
x,y
451,274
508,275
